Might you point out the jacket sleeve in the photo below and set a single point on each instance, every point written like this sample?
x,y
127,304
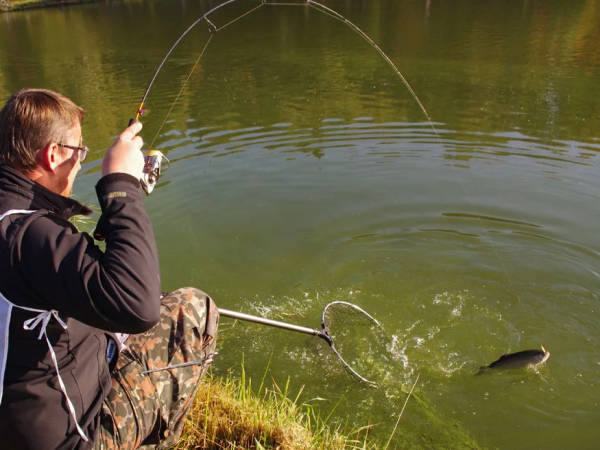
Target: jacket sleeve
x,y
116,290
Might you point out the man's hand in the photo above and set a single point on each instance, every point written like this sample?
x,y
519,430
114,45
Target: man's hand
x,y
125,155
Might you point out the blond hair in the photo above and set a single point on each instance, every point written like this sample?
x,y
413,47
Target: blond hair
x,y
32,119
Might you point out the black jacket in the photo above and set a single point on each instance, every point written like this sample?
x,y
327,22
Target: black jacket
x,y
45,263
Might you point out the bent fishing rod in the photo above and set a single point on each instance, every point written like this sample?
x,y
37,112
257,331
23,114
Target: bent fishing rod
x,y
153,158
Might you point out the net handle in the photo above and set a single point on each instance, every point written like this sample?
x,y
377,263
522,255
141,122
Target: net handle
x,y
277,324
323,334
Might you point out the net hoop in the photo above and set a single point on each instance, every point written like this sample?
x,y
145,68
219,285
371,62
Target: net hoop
x,y
331,342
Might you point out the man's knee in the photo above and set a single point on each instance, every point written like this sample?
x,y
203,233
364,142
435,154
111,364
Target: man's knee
x,y
197,306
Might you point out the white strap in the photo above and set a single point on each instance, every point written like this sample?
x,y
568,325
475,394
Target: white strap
x,y
43,318
5,312
16,211
5,315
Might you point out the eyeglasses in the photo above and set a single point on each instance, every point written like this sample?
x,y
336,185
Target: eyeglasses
x,y
83,150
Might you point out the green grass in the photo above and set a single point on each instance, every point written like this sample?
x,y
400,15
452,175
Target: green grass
x,y
229,415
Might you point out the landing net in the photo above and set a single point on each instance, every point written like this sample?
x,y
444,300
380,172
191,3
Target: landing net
x,y
356,337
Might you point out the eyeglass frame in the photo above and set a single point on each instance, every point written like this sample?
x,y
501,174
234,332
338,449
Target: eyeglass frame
x,y
83,150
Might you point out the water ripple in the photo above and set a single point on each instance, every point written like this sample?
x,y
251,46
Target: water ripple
x,y
381,140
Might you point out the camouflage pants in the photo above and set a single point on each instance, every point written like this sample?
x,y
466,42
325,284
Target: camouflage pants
x,y
149,409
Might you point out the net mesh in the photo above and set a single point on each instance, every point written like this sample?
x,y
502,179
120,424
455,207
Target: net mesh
x,y
357,338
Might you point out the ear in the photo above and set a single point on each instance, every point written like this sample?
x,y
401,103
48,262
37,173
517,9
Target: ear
x,y
50,157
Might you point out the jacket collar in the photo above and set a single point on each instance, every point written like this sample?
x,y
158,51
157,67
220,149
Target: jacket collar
x,y
27,194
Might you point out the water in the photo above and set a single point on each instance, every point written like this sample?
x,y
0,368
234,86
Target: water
x,y
303,172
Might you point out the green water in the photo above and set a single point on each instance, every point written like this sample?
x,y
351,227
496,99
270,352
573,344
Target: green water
x,y
304,172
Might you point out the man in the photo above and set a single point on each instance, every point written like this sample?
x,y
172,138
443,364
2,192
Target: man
x,y
64,303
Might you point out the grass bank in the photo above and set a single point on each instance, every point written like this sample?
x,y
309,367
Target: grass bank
x,y
228,414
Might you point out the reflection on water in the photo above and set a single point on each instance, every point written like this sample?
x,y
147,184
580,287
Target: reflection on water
x,y
303,172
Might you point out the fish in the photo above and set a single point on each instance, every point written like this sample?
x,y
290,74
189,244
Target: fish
x,y
525,358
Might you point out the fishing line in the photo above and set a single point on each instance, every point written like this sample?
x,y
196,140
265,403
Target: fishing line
x,y
152,168
316,6
140,111
213,30
341,18
243,15
181,91
402,412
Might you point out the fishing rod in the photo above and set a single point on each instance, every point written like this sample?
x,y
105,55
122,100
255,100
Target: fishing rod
x,y
153,158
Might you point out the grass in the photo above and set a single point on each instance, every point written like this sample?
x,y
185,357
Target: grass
x,y
229,415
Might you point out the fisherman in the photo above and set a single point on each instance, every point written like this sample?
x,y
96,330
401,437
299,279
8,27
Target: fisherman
x,y
69,376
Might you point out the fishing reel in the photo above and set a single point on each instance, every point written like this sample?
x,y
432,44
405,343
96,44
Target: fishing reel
x,y
153,160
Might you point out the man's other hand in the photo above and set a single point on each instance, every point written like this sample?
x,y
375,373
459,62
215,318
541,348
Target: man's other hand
x,y
125,155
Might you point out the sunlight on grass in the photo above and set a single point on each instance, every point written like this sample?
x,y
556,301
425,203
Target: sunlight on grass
x,y
229,414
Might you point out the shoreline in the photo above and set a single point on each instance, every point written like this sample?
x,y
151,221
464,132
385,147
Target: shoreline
x,y
23,5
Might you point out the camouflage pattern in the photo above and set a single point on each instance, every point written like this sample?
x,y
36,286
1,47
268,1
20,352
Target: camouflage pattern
x,y
150,409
